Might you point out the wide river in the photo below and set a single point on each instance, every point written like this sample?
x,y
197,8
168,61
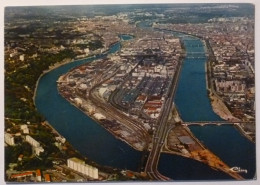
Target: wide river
x,y
194,105
94,142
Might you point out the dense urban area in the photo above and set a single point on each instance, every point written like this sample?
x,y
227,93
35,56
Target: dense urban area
x,y
130,93
231,70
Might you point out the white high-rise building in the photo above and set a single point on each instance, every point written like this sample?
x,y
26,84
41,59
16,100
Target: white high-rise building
x,y
9,139
80,166
32,141
21,57
37,148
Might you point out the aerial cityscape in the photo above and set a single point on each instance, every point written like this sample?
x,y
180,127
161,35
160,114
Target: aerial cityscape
x,y
148,92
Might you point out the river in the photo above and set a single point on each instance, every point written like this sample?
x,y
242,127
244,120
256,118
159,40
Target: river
x,y
93,141
85,135
193,104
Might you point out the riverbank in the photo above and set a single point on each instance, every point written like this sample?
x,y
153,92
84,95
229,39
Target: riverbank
x,y
181,141
86,112
64,62
194,150
244,133
207,157
210,159
91,110
105,172
220,108
79,130
217,104
52,67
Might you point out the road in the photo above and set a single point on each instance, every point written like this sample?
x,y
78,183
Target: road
x,y
161,133
158,141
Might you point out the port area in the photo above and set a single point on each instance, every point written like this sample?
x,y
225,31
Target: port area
x,y
181,141
131,96
128,91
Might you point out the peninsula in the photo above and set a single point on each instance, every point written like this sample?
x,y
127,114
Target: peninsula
x,y
129,92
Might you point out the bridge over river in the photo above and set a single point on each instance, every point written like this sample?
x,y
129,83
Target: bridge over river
x,y
196,55
218,123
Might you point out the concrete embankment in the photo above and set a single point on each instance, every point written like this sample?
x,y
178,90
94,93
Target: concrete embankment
x,y
220,108
97,110
52,67
244,133
217,103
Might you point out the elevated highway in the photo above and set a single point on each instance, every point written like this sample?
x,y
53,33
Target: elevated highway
x,y
161,132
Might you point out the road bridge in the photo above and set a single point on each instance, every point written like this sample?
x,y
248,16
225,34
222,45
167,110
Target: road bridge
x,y
188,37
196,55
207,123
218,123
194,45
